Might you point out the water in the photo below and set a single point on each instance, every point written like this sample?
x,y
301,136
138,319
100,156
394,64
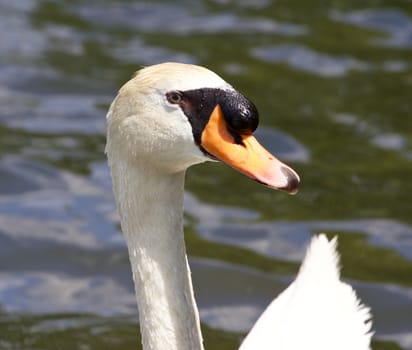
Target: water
x,y
333,85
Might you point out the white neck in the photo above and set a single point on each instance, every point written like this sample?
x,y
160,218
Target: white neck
x,y
150,205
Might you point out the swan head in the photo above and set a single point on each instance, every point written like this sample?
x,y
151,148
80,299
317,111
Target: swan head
x,y
174,115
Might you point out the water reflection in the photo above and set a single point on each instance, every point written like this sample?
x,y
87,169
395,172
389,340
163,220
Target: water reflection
x,y
182,19
304,59
285,240
55,207
378,138
395,23
285,147
137,51
62,210
22,41
66,112
43,292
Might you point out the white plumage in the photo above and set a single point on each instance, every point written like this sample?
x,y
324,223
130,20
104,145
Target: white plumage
x,y
150,144
317,311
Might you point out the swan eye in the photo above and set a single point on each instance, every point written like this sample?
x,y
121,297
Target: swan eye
x,y
174,97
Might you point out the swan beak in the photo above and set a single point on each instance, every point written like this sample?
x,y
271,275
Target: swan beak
x,y
248,156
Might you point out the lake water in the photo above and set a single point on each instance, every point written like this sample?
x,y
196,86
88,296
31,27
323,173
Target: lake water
x,y
333,84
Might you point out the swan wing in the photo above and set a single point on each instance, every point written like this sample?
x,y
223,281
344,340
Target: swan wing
x,y
316,312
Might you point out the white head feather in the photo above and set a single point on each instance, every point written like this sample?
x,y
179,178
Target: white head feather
x,y
163,129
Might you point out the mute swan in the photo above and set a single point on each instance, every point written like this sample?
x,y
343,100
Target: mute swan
x,y
165,119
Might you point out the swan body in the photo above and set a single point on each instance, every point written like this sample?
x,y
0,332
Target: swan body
x,y
317,310
171,116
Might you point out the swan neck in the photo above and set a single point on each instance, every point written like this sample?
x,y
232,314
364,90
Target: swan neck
x,y
150,204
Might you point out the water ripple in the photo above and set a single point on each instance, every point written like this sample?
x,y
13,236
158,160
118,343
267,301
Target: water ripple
x,y
284,240
396,24
307,60
137,51
178,19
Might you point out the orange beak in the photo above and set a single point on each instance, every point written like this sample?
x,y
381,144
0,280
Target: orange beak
x,y
249,157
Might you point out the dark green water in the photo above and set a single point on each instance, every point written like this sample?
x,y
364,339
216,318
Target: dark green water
x,y
333,84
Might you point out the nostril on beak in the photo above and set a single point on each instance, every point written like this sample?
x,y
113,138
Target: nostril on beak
x,y
292,179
